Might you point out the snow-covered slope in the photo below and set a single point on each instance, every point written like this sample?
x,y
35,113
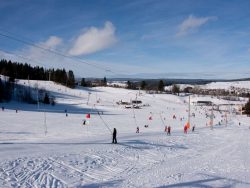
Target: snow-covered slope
x,y
45,148
228,85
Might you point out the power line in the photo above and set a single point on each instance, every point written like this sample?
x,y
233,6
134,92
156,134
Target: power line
x,y
55,52
20,56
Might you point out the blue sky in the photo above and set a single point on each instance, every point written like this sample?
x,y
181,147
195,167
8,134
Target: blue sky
x,y
150,38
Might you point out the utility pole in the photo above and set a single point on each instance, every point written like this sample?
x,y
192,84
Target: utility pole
x,y
212,117
49,75
226,118
189,110
45,123
88,98
134,115
37,95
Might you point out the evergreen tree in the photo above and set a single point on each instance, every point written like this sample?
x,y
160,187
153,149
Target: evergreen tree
x,y
1,91
143,85
247,107
175,89
129,85
161,86
105,81
83,82
71,79
7,91
46,99
25,71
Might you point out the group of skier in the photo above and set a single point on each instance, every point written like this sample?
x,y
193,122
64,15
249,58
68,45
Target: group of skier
x,y
167,129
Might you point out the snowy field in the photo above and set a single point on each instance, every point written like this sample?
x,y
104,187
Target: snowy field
x,y
228,86
45,148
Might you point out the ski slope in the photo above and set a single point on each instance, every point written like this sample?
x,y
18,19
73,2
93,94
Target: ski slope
x,y
45,148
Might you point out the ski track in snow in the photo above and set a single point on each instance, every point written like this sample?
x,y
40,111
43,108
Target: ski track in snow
x,y
87,168
132,162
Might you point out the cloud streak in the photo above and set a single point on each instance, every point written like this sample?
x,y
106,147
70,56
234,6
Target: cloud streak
x,y
51,43
192,23
93,40
32,52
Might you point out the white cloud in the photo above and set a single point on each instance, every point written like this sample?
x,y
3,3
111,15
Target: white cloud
x,y
51,43
35,53
93,40
192,23
39,56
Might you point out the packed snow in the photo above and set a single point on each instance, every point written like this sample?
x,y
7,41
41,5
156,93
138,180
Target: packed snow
x,y
49,146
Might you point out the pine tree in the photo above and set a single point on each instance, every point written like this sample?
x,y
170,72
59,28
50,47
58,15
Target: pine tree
x,y
175,89
161,86
46,99
71,79
105,81
7,91
1,91
83,82
129,85
143,85
247,107
25,71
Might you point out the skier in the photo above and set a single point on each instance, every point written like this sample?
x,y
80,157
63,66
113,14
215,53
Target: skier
x,y
2,108
137,130
84,122
166,128
114,136
169,130
193,128
185,129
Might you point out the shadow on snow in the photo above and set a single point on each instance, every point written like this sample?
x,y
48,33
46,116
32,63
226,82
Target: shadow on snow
x,y
208,182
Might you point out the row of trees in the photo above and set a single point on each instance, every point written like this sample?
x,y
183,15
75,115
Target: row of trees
x,y
96,82
160,86
5,91
247,107
10,90
16,70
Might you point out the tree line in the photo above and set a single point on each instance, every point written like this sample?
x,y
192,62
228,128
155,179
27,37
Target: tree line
x,y
158,87
15,70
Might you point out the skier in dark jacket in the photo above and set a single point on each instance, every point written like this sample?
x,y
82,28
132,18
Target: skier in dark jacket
x,y
114,136
169,130
137,130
